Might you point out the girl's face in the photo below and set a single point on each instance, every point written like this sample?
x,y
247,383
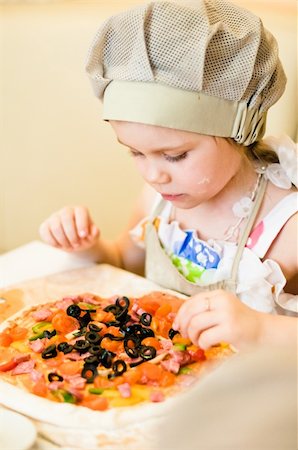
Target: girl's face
x,y
185,168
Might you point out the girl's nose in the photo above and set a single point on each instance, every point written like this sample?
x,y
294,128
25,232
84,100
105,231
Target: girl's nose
x,y
154,174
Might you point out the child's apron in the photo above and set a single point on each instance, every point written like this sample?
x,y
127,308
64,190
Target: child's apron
x,y
160,269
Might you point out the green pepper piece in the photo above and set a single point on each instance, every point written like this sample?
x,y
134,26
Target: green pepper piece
x,y
96,391
185,370
179,347
65,396
36,336
41,326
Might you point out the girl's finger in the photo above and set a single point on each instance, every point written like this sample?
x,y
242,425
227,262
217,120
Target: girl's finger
x,y
200,323
82,221
58,232
195,305
212,336
69,226
46,235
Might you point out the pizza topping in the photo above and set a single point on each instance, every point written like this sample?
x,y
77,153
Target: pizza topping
x,y
157,396
53,376
172,333
146,319
64,347
23,367
49,352
94,327
38,345
73,311
64,396
147,352
119,367
125,390
93,337
42,314
82,346
89,372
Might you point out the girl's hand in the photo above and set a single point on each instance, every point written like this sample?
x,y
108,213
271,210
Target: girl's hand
x,y
70,229
218,316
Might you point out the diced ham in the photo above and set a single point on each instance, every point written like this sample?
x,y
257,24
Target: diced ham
x,y
35,375
79,395
125,390
42,314
54,385
23,367
91,300
171,365
75,381
21,358
157,396
39,345
75,356
166,344
65,303
182,358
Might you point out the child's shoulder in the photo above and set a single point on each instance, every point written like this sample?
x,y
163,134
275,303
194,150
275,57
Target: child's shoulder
x,y
279,213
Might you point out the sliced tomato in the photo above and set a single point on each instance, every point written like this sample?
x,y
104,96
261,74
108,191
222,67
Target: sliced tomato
x,y
103,382
152,342
64,323
40,388
167,379
103,316
150,306
9,365
18,333
163,310
112,346
115,331
95,402
152,372
133,376
198,355
164,326
70,367
5,340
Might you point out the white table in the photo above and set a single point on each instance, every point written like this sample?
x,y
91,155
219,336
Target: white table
x,y
36,259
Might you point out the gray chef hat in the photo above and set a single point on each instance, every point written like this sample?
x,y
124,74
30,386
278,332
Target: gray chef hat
x,y
205,66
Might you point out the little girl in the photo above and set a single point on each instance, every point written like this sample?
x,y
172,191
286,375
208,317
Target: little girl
x,y
186,88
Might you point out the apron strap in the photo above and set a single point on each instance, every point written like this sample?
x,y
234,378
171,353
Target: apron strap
x,y
231,283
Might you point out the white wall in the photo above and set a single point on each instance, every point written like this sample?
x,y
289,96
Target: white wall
x,y
54,148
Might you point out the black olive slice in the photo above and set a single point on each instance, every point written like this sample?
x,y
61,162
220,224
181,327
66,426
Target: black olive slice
x,y
92,360
119,367
82,346
48,334
95,349
147,352
105,358
112,308
85,319
94,327
147,332
132,350
92,337
114,338
74,311
49,352
119,303
146,319
65,348
89,372
54,377
113,323
172,333
136,363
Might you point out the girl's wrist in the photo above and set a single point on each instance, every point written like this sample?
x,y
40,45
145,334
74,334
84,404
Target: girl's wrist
x,y
276,330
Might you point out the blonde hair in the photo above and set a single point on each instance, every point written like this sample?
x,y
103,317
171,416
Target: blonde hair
x,y
257,151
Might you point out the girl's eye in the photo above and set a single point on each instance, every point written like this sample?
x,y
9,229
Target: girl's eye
x,y
175,158
134,153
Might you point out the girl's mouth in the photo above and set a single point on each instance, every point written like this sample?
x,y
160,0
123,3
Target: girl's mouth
x,y
172,197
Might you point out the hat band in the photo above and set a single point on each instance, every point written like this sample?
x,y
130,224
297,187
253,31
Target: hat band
x,y
166,106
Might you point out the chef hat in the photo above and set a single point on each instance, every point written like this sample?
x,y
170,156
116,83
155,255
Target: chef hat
x,y
205,66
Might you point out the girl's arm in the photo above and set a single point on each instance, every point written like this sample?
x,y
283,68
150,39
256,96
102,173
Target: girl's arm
x,y
72,229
